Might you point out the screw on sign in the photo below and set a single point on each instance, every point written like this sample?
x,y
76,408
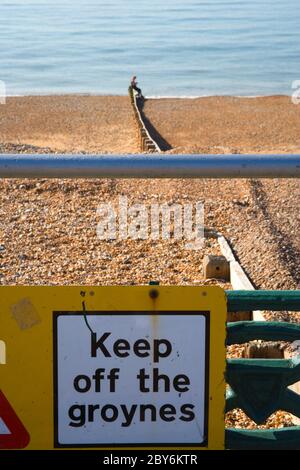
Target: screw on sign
x,y
18,437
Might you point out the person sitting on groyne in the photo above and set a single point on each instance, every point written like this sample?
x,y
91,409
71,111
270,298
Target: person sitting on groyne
x,y
134,86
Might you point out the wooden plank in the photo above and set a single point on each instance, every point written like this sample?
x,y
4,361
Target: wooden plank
x,y
242,332
275,439
263,300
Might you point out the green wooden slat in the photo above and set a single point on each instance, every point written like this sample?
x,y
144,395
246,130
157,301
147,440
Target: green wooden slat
x,y
269,439
289,368
244,331
259,386
263,300
262,366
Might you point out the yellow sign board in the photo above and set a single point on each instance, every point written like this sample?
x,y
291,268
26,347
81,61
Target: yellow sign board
x,y
112,367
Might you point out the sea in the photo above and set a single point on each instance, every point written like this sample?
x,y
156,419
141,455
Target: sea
x,y
176,48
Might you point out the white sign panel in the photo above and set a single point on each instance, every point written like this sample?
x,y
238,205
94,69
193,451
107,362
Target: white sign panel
x,y
131,378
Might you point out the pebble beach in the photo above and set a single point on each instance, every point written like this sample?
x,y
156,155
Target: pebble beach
x,y
48,227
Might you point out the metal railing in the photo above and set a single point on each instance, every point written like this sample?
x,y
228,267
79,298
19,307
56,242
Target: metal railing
x,y
149,166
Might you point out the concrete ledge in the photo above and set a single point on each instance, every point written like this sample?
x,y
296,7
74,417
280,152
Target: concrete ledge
x,y
238,278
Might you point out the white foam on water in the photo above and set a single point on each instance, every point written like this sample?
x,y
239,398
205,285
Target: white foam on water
x,y
183,97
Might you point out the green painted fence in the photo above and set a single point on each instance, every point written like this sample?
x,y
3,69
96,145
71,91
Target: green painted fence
x,y
259,386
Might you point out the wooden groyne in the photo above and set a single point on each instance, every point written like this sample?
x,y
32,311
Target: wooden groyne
x,y
147,143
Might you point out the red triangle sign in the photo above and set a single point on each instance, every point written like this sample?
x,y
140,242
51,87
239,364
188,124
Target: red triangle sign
x,y
18,437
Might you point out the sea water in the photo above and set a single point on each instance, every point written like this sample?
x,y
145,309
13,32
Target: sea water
x,y
176,48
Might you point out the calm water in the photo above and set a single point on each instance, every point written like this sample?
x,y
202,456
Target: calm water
x,y
188,47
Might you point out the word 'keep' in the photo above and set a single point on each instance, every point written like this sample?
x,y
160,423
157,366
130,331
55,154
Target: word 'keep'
x,y
159,348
